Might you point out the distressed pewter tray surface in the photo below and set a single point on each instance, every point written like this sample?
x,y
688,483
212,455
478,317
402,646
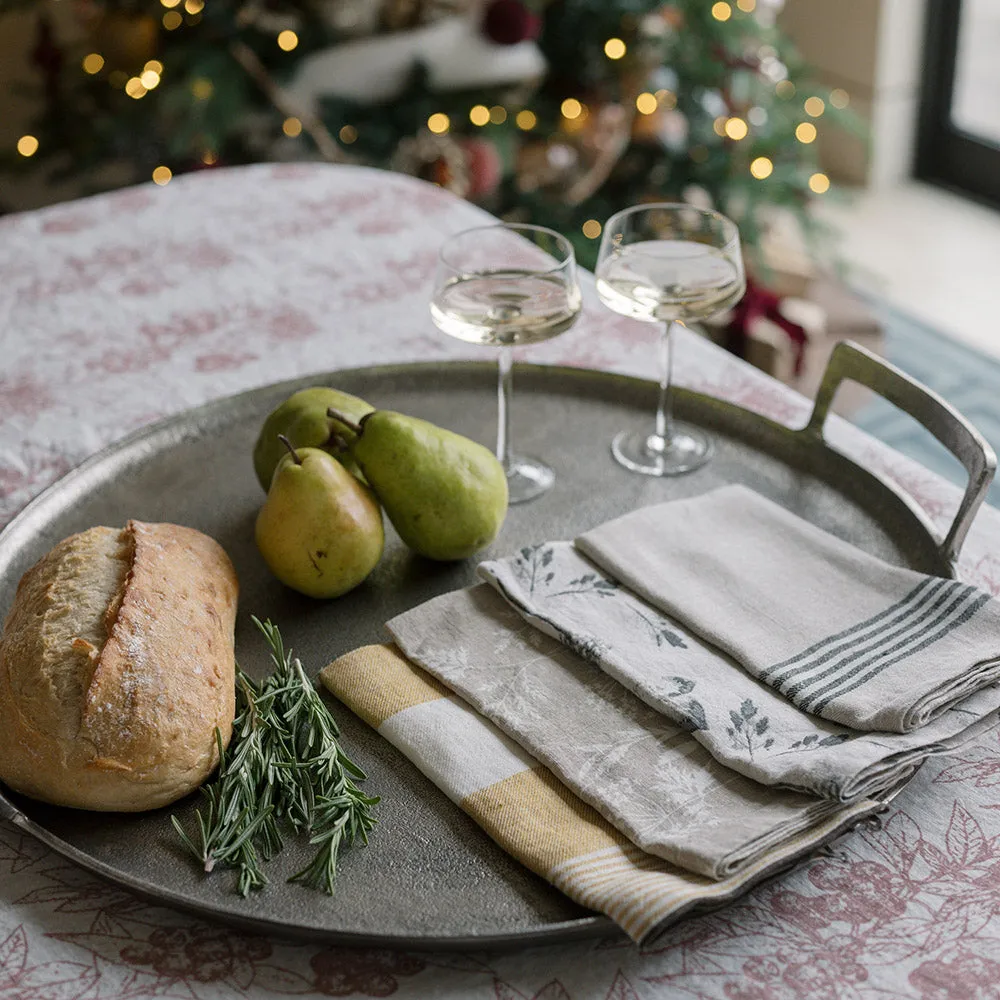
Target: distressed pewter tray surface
x,y
430,877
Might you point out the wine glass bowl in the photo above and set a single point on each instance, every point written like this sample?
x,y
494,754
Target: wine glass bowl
x,y
502,286
668,263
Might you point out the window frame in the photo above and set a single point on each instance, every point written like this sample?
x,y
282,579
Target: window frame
x,y
946,155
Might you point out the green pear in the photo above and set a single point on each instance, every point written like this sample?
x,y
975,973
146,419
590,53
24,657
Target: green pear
x,y
303,419
320,530
445,495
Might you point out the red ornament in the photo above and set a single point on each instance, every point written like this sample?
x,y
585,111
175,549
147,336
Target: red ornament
x,y
508,22
482,160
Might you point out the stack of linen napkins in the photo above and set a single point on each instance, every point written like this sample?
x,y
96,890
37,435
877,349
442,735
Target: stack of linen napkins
x,y
681,701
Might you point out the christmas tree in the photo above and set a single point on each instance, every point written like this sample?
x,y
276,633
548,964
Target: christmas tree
x,y
557,112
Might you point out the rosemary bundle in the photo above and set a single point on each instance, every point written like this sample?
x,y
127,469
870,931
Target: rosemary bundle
x,y
284,766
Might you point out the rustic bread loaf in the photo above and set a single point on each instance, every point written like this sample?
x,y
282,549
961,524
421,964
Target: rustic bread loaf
x,y
116,667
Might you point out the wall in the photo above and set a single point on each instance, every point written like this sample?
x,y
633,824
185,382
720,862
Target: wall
x,y
873,49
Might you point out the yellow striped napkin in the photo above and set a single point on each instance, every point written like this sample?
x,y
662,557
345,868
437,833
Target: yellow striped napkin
x,y
526,809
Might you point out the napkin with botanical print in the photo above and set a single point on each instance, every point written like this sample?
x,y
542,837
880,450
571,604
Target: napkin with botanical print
x,y
838,632
642,772
528,811
743,722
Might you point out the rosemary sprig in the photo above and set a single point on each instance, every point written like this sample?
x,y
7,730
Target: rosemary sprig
x,y
284,763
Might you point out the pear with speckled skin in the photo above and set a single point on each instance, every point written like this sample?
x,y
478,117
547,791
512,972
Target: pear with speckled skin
x,y
302,418
445,495
320,530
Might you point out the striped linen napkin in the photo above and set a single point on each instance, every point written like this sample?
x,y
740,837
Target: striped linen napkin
x,y
643,773
527,811
839,633
740,720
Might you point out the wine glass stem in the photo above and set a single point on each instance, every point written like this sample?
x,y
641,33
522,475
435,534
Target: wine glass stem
x,y
664,410
505,389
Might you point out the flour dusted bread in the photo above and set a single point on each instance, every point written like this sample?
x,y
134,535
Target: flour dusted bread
x,y
116,667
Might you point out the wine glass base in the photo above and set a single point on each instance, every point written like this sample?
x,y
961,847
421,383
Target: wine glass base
x,y
527,478
688,450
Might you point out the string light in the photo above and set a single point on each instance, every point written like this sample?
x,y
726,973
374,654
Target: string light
x,y
814,106
498,114
93,63
287,39
149,79
479,114
172,20
719,125
819,183
747,6
784,88
162,175
439,123
736,128
805,132
202,88
646,103
761,167
526,120
348,134
591,229
571,108
134,88
27,145
839,97
153,66
209,158
194,6
667,98
291,127
614,48
721,11
170,4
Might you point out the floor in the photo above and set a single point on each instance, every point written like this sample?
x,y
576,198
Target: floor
x,y
929,253
967,378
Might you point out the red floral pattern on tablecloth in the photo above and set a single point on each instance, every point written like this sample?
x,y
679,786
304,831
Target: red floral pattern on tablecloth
x,y
127,307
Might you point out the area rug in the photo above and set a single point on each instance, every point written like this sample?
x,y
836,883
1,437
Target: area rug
x,y
967,378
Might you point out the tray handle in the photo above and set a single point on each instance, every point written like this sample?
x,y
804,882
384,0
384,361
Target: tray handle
x,y
850,361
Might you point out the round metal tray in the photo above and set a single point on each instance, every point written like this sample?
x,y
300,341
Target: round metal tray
x,y
430,877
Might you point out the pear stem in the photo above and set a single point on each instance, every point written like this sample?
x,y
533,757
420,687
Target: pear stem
x,y
345,420
291,449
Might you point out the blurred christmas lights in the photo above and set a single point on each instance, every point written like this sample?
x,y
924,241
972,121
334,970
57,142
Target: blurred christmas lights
x,y
805,132
439,123
614,48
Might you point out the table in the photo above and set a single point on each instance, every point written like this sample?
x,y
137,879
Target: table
x,y
124,308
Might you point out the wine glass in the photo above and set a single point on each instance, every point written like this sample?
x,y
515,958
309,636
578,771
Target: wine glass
x,y
504,285
668,263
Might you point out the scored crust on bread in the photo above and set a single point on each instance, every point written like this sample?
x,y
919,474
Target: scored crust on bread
x,y
116,667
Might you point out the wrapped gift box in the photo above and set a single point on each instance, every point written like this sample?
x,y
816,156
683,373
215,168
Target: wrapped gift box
x,y
828,312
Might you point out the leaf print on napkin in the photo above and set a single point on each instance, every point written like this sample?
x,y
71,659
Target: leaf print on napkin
x,y
694,715
660,632
529,565
813,742
589,583
749,728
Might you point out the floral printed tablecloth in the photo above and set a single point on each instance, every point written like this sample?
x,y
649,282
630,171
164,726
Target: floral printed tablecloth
x,y
118,310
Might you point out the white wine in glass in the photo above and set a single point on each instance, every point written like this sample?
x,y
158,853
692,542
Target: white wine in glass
x,y
668,263
503,286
